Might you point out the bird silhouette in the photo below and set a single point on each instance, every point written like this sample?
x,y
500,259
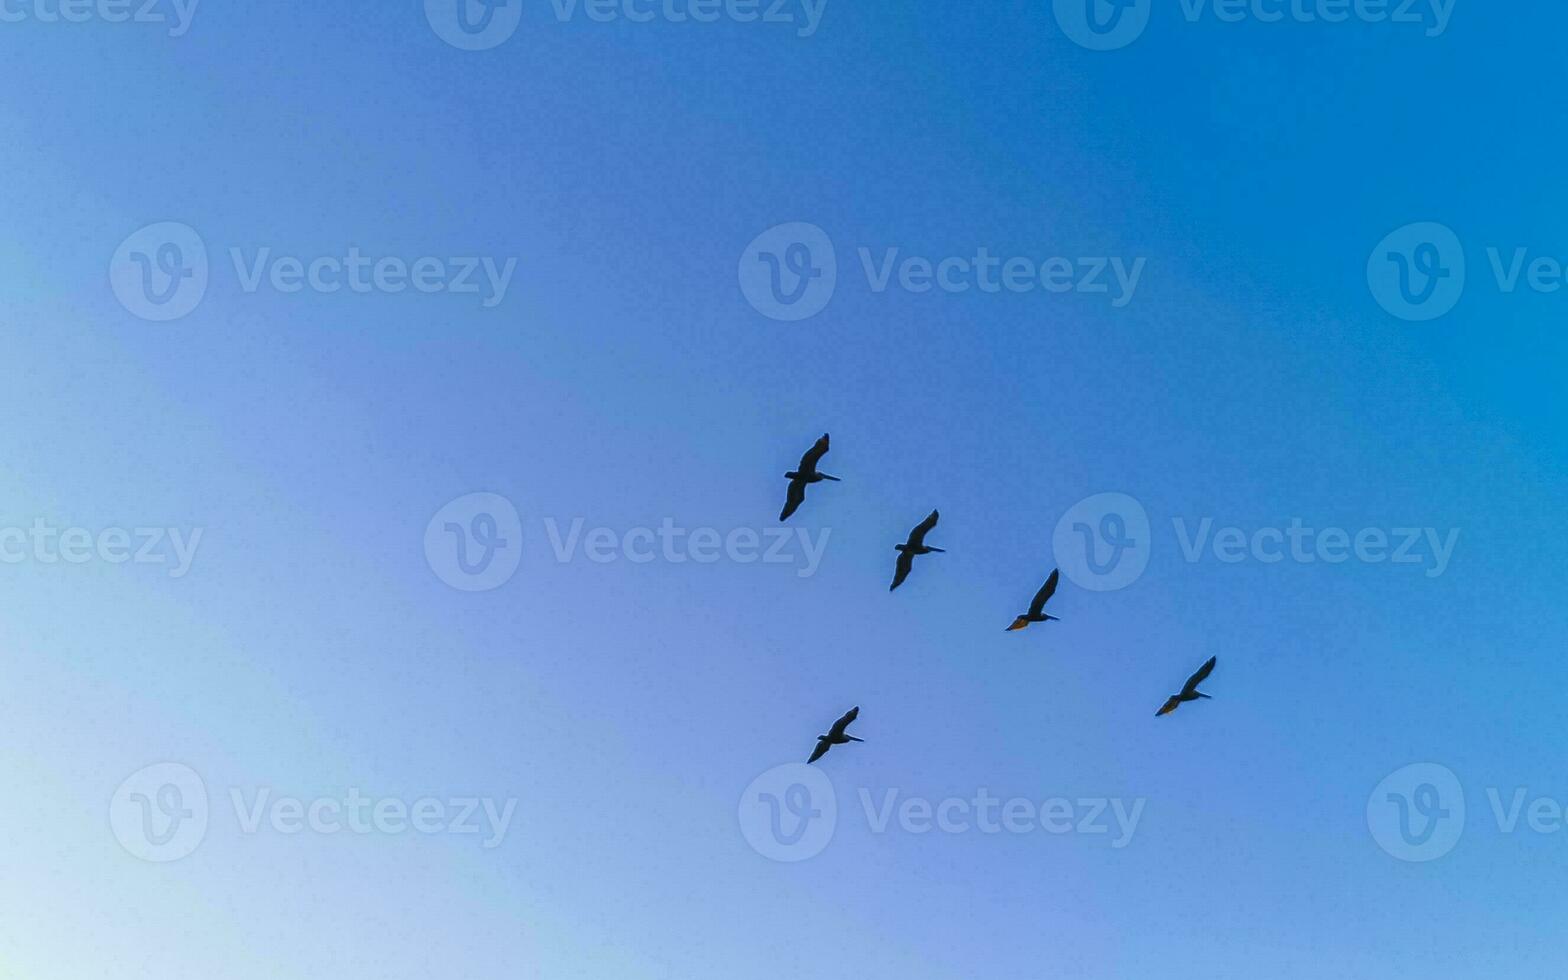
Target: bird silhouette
x,y
835,735
807,474
1036,613
916,545
1189,690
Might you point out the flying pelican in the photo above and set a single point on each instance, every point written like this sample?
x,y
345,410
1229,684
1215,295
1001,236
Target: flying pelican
x,y
1189,690
916,545
835,735
806,474
1037,613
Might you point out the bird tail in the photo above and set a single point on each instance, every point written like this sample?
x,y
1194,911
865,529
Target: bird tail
x,y
1051,619
833,478
940,551
1205,696
854,739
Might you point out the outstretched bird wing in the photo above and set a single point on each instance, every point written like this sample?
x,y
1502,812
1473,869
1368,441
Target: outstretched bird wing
x,y
917,537
1198,678
821,750
906,561
808,462
1044,595
796,497
837,730
1170,705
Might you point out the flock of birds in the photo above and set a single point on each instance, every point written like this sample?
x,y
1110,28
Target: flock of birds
x,y
807,474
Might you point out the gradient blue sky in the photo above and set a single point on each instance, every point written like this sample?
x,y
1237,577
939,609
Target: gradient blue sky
x,y
625,380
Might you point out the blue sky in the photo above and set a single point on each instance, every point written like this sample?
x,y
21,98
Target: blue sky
x,y
624,380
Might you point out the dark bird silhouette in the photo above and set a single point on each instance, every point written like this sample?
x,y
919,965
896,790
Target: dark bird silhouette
x,y
1037,613
1189,690
835,735
798,479
916,545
